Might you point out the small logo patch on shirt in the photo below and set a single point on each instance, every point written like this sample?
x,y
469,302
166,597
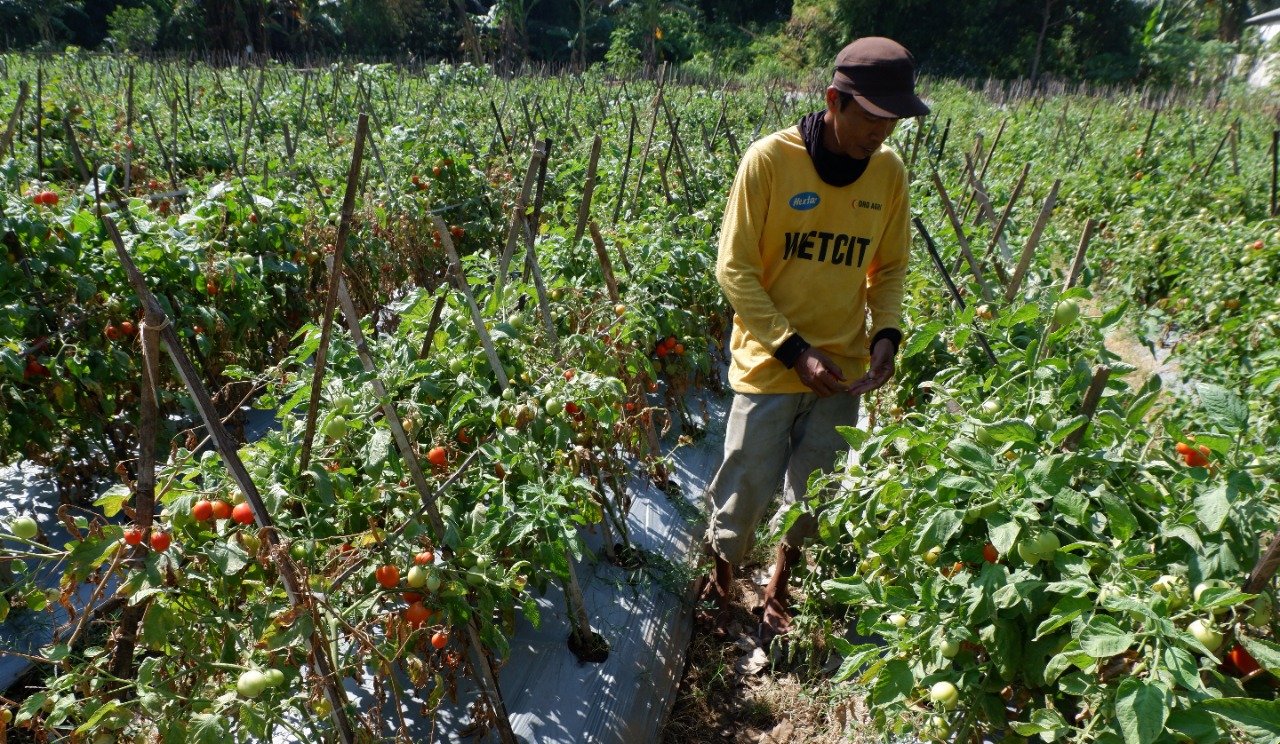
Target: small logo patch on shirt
x,y
806,201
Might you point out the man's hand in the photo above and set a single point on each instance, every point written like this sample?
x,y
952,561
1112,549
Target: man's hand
x,y
819,373
881,369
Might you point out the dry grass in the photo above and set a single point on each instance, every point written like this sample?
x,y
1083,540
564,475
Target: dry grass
x,y
787,702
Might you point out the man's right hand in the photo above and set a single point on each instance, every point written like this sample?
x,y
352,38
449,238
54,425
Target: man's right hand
x,y
819,373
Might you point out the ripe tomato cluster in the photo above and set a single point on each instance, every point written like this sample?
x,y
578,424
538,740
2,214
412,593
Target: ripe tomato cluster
x,y
117,332
46,198
1195,457
669,345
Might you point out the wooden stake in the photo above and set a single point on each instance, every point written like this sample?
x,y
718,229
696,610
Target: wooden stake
x,y
961,240
588,190
331,298
1088,406
5,142
1029,248
1077,263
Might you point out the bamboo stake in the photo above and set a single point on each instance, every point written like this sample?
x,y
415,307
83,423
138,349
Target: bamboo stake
x,y
72,144
997,235
331,297
1077,263
518,214
23,91
1029,248
961,240
951,288
626,168
648,142
588,190
40,122
227,448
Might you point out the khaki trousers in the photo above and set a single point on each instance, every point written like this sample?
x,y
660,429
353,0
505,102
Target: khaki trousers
x,y
771,437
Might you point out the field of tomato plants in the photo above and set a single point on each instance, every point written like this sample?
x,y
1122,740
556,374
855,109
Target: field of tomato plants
x,y
1049,542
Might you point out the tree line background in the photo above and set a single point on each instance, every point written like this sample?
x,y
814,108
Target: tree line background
x,y
1110,41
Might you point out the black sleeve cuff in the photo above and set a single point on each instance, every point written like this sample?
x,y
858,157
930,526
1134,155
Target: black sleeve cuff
x,y
894,336
790,350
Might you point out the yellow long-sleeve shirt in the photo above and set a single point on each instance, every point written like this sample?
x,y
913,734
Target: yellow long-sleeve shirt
x,y
799,256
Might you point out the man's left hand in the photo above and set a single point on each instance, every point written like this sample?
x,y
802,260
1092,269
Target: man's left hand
x,y
881,369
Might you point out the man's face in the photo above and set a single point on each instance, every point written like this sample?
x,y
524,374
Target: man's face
x,y
858,133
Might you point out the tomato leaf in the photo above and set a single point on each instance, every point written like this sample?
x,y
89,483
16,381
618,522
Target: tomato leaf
x,y
1224,407
228,556
207,728
1123,523
113,499
1181,668
1043,721
1103,637
1012,430
1003,532
375,451
1141,709
1064,428
1213,507
970,454
1258,719
894,682
1195,725
941,527
921,337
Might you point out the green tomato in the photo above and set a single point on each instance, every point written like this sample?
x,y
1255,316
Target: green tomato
x,y
1027,551
1210,584
418,576
1260,615
1066,312
433,581
1208,636
949,648
251,684
898,620
24,527
1046,544
275,677
931,557
337,427
554,406
945,694
1172,587
991,406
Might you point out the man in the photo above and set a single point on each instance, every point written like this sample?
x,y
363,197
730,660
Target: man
x,y
815,234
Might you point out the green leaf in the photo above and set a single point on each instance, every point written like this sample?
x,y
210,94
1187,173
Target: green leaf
x,y
1123,523
1182,667
56,652
961,483
1012,430
853,435
1003,532
208,728
1024,314
968,453
894,682
1103,637
1112,316
920,339
1195,725
375,452
113,499
1065,427
228,556
1258,719
1141,709
854,658
1215,442
1139,408
939,530
890,540
1213,507
1224,407
1043,721
846,591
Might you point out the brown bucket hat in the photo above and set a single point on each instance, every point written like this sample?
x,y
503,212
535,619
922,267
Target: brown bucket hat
x,y
880,74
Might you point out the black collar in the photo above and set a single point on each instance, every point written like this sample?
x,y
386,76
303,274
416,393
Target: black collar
x,y
833,168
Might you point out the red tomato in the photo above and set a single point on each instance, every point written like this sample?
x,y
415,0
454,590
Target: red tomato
x,y
242,514
438,456
990,553
202,511
133,536
388,576
425,558
160,541
221,509
417,615
440,639
411,597
1243,660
